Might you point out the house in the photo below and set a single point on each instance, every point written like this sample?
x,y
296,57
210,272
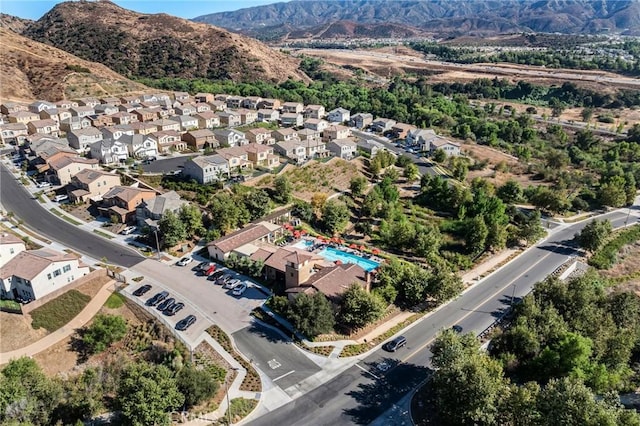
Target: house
x,y
289,265
202,107
142,128
343,148
46,147
382,125
314,111
10,247
130,100
285,134
332,281
140,146
107,109
90,184
109,151
187,122
291,119
165,112
55,114
14,133
309,135
207,120
370,147
315,148
251,102
229,119
293,149
109,100
335,132
206,169
450,148
75,123
129,107
221,97
116,132
100,121
236,157
165,124
268,115
82,111
262,155
186,109
23,117
400,130
45,127
121,202
292,108
338,115
148,212
169,141
7,108
39,106
218,105
249,236
88,101
203,97
34,274
145,114
361,120
316,124
124,118
181,96
234,101
199,139
421,138
64,168
259,135
230,137
247,116
269,103
82,139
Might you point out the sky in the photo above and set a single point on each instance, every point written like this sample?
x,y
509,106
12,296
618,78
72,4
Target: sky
x,y
34,9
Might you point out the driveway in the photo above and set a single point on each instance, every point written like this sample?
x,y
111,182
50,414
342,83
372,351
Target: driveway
x,y
166,165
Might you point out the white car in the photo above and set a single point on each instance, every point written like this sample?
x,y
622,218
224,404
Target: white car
x,y
59,198
128,230
185,261
231,284
43,185
239,289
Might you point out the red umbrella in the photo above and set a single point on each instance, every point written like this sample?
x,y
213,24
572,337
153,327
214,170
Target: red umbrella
x,y
353,246
375,251
296,234
363,248
338,262
303,232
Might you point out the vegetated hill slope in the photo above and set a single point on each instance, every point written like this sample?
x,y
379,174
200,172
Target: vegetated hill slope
x,y
350,29
13,23
31,70
451,17
159,45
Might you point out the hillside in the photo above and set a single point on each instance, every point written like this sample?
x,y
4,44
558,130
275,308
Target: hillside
x,y
13,23
441,17
159,45
31,70
350,29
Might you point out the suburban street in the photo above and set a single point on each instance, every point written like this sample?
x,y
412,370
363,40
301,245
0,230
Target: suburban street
x,y
363,392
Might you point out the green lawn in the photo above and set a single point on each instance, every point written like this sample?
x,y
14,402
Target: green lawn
x,y
10,305
59,311
103,234
64,216
114,301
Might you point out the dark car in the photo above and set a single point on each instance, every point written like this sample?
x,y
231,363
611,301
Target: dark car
x,y
223,279
200,266
395,344
167,304
157,298
215,276
142,290
185,322
457,329
174,309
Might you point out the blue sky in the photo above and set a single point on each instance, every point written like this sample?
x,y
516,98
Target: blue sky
x,y
34,9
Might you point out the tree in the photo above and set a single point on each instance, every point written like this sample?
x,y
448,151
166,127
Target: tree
x,y
258,203
427,241
196,384
586,114
146,392
335,216
476,233
557,107
82,397
191,217
227,213
103,332
172,229
357,185
318,201
510,192
459,168
439,156
311,315
612,191
633,134
411,172
594,234
359,307
283,190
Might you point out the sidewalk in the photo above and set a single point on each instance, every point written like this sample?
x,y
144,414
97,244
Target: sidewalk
x,y
488,266
79,321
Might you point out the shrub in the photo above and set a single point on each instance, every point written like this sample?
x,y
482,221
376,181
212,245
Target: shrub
x,y
103,332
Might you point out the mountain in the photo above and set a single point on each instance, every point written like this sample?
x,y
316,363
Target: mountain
x,y
440,17
30,70
158,45
350,29
13,23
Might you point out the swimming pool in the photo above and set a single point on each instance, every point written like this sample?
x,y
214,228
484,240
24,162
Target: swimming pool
x,y
333,254
303,244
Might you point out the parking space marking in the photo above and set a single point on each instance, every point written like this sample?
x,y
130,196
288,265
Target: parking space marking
x,y
367,371
274,364
284,375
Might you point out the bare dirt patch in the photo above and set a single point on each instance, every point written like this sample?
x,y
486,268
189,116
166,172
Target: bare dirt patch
x,y
16,332
91,287
628,266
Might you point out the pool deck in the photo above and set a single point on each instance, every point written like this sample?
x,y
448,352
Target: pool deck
x,y
303,244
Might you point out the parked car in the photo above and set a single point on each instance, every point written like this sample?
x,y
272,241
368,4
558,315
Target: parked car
x,y
239,289
61,197
215,276
395,344
231,284
167,304
457,329
142,290
185,261
185,323
157,298
210,270
223,279
200,266
128,230
43,185
174,309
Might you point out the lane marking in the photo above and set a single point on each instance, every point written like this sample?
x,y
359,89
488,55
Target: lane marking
x,y
284,375
274,364
367,371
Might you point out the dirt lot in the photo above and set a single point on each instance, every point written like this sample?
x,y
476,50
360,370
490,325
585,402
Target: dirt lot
x,y
628,266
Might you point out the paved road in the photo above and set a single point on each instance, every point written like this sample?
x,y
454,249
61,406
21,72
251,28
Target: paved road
x,y
364,392
15,198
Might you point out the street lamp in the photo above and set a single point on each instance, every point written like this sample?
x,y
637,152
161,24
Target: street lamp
x,y
155,232
226,386
513,295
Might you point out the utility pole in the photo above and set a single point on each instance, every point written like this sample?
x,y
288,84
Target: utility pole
x,y
155,232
